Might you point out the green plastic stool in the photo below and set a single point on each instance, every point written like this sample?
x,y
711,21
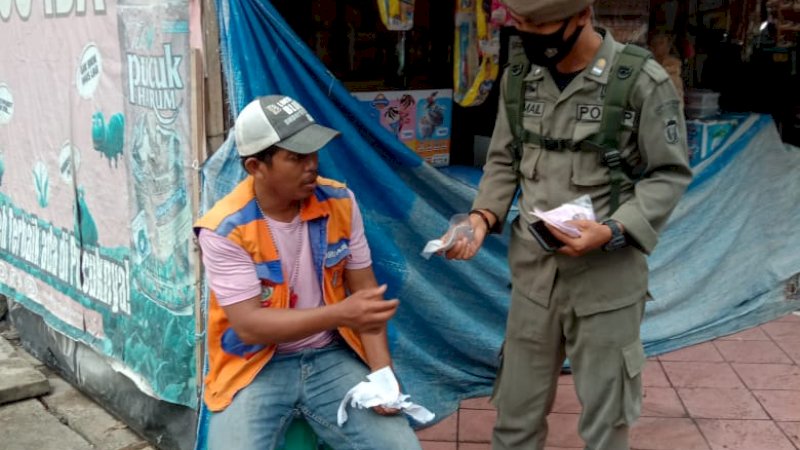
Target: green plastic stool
x,y
300,436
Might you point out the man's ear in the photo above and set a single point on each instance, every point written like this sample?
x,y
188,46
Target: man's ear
x,y
251,165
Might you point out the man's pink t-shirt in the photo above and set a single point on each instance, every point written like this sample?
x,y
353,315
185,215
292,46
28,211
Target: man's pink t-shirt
x,y
232,275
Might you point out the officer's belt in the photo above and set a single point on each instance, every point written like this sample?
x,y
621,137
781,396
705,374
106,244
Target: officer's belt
x,y
554,145
611,158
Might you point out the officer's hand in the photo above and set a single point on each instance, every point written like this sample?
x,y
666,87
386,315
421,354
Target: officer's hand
x,y
366,311
464,249
593,236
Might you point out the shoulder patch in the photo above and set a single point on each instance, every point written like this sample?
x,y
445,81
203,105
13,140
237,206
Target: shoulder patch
x,y
655,71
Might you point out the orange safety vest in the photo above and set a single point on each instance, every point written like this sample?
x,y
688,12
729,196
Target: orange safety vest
x,y
232,364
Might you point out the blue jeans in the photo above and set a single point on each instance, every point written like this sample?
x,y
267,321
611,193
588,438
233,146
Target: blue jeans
x,y
310,383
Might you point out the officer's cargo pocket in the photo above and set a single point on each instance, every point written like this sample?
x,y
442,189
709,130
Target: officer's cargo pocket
x,y
634,361
587,170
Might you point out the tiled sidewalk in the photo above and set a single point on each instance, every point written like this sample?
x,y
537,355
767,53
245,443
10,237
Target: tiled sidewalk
x,y
738,392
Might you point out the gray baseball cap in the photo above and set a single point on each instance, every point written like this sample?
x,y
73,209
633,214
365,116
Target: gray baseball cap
x,y
282,121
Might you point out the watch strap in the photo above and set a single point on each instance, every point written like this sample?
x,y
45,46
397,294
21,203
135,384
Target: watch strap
x,y
617,240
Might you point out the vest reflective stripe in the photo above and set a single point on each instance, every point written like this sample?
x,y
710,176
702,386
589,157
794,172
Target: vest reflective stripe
x,y
233,364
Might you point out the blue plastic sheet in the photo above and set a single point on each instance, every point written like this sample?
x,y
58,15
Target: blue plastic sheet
x,y
723,263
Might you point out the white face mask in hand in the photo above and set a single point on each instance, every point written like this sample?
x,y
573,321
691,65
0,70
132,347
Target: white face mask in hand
x,y
460,228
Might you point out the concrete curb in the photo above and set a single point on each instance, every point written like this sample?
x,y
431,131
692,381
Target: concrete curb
x,y
19,380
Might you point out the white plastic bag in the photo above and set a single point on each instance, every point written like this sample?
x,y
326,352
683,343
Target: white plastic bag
x,y
460,228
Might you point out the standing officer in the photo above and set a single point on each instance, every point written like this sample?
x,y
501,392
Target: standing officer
x,y
579,114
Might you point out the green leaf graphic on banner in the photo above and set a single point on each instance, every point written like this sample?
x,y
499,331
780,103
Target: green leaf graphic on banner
x,y
41,181
84,226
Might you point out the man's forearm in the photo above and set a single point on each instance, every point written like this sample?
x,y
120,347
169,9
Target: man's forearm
x,y
276,326
376,349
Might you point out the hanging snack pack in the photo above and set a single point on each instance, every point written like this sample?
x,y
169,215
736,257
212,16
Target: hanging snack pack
x,y
477,52
397,15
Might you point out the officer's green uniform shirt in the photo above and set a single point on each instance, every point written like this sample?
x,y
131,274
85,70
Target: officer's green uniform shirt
x,y
654,137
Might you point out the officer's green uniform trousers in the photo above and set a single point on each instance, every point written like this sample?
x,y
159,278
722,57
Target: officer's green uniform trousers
x,y
605,354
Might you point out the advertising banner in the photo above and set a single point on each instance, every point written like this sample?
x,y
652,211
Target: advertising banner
x,y
421,119
95,165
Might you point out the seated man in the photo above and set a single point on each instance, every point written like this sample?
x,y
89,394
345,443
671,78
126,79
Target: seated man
x,y
282,252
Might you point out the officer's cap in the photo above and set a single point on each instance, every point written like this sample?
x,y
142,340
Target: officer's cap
x,y
544,11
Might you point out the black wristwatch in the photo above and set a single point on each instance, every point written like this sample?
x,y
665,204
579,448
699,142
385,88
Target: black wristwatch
x,y
618,240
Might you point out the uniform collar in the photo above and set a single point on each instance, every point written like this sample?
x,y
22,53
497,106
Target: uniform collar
x,y
310,209
598,70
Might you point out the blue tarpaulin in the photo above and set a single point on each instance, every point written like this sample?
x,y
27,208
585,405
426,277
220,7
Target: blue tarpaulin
x,y
725,262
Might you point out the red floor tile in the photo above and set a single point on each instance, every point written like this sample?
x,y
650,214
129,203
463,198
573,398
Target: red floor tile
x,y
563,431
769,376
783,331
744,435
653,375
475,425
697,374
655,433
752,352
433,445
783,406
792,349
661,402
795,317
792,431
705,352
473,446
753,334
712,403
446,430
567,400
477,403
566,379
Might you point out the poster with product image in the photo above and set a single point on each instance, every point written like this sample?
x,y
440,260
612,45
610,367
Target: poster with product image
x,y
95,211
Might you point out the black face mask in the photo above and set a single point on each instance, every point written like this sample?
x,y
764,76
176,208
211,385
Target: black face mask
x,y
547,50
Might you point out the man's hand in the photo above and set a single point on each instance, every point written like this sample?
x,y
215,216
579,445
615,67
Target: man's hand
x,y
593,236
365,311
464,249
386,411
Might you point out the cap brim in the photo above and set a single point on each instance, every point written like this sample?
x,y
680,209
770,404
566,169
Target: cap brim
x,y
308,140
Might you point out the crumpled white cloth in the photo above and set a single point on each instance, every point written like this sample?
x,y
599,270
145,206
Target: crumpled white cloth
x,y
382,389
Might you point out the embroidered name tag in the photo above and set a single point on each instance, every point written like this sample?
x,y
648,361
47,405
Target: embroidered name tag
x,y
533,109
594,113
